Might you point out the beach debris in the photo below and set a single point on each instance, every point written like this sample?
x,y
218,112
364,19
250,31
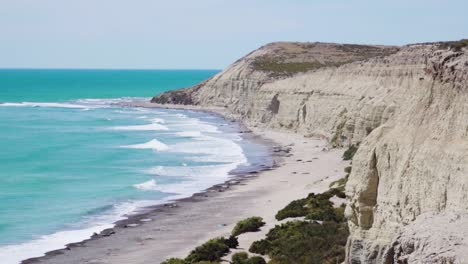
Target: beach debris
x,y
146,220
131,225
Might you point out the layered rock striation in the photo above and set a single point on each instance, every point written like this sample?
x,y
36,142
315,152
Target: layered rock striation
x,y
406,107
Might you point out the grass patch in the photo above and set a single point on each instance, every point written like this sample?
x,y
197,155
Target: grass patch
x,y
304,242
251,224
349,153
209,252
314,207
454,45
284,69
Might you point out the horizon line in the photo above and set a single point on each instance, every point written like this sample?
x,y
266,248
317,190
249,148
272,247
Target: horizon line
x,y
121,69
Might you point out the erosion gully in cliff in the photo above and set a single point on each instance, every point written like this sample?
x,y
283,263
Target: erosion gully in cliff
x,y
407,107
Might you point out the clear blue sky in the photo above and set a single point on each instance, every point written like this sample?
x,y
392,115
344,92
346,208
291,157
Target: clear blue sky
x,y
206,34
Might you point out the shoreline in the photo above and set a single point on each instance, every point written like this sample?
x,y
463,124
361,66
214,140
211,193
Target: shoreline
x,y
130,238
236,176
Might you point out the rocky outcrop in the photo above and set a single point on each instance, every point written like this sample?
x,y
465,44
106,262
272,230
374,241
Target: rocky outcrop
x,y
408,110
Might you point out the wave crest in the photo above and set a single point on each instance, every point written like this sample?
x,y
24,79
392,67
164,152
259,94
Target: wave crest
x,y
148,127
152,144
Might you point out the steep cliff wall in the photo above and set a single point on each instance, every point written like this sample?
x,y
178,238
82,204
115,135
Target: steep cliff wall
x,y
408,110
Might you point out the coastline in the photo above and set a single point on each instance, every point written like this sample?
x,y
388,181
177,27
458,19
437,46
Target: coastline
x,y
215,211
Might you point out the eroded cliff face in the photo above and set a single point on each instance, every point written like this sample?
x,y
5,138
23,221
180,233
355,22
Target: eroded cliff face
x,y
408,110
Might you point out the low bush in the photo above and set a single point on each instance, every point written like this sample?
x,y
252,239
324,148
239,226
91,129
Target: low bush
x,y
240,258
256,260
260,247
174,261
212,250
340,184
304,242
231,242
251,224
209,252
315,207
349,153
295,208
348,169
243,258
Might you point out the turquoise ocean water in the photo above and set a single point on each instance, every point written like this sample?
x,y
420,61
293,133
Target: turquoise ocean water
x,y
73,161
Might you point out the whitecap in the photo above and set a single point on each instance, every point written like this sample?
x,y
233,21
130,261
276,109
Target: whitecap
x,y
152,144
158,120
212,173
148,127
189,134
147,186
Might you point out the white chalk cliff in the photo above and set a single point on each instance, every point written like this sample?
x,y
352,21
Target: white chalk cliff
x,y
406,107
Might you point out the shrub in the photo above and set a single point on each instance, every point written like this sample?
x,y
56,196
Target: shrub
x,y
260,247
295,208
231,242
349,153
348,169
256,260
240,258
212,250
174,261
340,184
243,258
251,224
304,242
315,207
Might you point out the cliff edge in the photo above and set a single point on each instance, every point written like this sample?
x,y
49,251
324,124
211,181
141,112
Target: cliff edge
x,y
407,109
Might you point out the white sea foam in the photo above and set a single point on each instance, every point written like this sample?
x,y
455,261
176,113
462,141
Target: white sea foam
x,y
194,172
14,254
158,120
196,125
152,144
147,186
147,127
189,134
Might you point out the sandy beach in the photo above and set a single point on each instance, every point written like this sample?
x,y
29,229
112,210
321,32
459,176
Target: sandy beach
x,y
303,165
